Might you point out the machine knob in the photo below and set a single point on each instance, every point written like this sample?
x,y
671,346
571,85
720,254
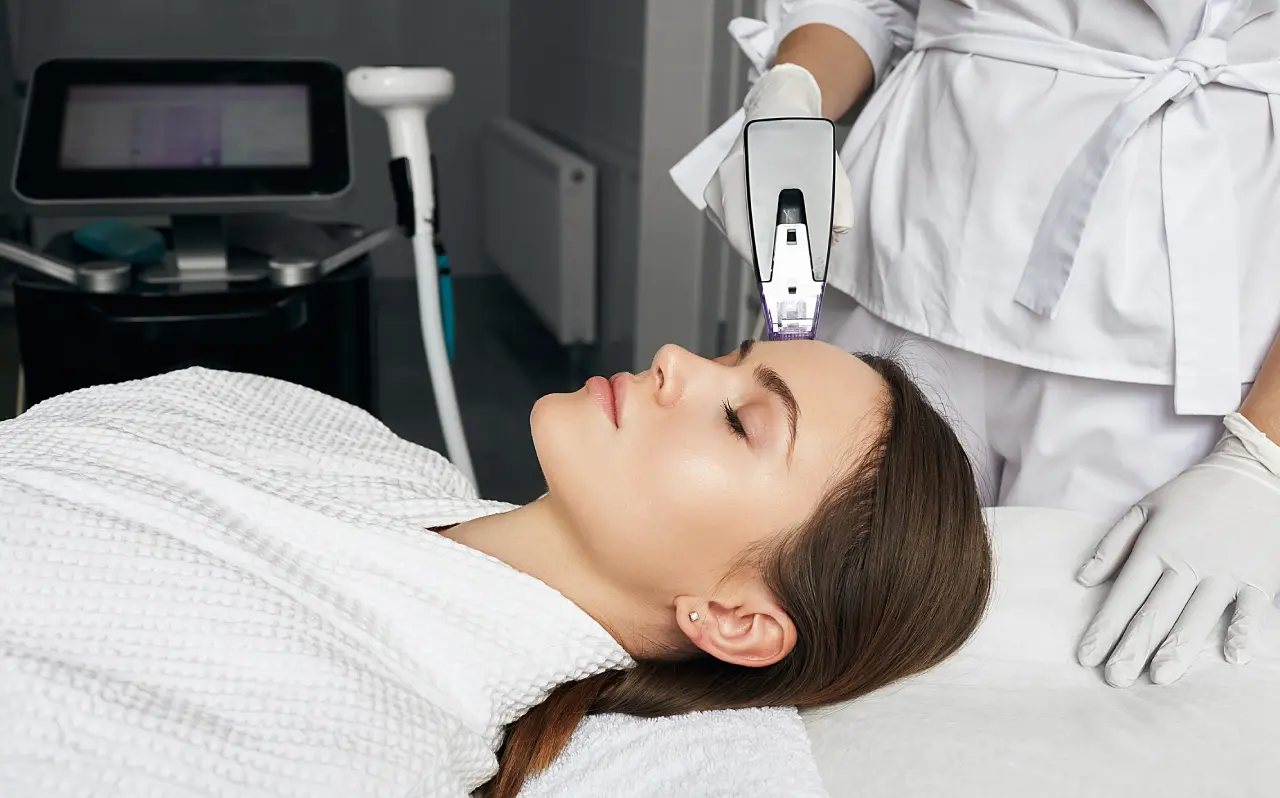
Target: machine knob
x,y
292,273
103,276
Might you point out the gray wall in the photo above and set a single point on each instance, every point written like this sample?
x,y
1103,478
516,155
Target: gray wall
x,y
469,37
672,287
577,75
633,85
692,288
731,300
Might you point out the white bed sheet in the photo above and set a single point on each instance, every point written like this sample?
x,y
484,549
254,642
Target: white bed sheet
x,y
1014,715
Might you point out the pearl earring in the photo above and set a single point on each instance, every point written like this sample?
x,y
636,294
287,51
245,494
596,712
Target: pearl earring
x,y
693,616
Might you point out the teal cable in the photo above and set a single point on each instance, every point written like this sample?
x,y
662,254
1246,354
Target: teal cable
x,y
446,298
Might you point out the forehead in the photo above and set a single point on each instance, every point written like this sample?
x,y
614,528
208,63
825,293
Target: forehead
x,y
840,397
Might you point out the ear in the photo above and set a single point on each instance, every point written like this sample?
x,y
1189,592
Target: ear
x,y
746,628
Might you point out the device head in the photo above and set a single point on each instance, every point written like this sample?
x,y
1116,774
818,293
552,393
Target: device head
x,y
383,88
790,170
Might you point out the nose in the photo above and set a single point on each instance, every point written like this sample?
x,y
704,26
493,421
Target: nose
x,y
671,367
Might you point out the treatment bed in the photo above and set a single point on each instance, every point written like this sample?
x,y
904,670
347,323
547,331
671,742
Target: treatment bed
x,y
1012,715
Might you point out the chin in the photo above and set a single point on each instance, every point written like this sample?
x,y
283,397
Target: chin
x,y
552,417
555,424
567,439
539,408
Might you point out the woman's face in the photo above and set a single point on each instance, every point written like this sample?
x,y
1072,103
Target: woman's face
x,y
666,477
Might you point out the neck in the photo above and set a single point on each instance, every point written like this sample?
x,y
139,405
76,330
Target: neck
x,y
538,540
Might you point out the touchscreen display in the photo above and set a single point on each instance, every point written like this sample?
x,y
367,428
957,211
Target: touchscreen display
x,y
186,127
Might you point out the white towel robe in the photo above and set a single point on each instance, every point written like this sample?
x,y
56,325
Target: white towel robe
x,y
221,585
1133,146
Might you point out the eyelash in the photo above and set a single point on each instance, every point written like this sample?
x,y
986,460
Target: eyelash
x,y
735,423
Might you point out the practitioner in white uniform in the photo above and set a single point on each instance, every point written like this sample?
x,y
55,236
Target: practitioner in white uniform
x,y
1066,214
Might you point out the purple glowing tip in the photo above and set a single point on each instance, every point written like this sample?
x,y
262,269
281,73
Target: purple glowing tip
x,y
791,335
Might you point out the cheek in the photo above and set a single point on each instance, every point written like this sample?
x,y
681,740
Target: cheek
x,y
663,507
683,457
688,481
701,491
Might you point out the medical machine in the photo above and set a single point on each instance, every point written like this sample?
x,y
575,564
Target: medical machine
x,y
227,151
790,167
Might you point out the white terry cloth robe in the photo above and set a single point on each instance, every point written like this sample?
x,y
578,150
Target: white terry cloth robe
x,y
222,585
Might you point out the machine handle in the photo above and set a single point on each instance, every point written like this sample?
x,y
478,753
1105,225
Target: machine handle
x,y
37,262
281,316
353,252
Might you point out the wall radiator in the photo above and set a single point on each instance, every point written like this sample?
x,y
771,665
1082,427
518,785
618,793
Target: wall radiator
x,y
540,226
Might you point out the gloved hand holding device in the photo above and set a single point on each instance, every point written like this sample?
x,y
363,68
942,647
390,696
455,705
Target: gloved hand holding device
x,y
1208,538
785,91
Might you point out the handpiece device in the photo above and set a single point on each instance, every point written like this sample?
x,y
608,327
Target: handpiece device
x,y
790,167
405,97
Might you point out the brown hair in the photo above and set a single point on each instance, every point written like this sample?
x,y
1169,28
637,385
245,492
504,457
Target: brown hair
x,y
889,577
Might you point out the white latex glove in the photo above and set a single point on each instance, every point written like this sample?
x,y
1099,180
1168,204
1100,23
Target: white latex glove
x,y
1207,539
785,91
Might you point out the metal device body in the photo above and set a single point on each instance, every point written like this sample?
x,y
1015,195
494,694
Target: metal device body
x,y
113,277
790,167
99,277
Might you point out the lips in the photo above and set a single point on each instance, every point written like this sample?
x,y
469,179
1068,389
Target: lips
x,y
602,391
620,383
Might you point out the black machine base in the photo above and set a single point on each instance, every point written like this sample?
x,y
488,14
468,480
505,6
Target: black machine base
x,y
320,335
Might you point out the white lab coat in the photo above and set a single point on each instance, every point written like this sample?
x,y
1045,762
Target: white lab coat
x,y
1035,438
1132,146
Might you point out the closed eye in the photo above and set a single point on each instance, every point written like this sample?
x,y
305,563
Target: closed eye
x,y
735,423
774,384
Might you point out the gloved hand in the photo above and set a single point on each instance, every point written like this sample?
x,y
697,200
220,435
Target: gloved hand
x,y
1185,553
786,90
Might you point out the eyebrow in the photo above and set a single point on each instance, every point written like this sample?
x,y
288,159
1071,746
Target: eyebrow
x,y
772,382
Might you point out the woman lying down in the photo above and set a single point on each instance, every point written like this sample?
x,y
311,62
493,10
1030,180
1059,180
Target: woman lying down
x,y
218,584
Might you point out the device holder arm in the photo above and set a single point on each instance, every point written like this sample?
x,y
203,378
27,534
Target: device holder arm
x,y
402,192
102,277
